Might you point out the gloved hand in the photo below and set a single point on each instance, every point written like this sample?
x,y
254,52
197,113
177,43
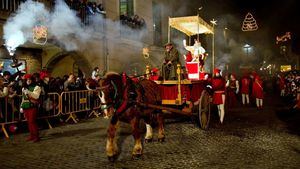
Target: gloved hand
x,y
184,42
25,91
237,91
21,110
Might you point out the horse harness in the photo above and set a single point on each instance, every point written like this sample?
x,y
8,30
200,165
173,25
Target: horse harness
x,y
129,95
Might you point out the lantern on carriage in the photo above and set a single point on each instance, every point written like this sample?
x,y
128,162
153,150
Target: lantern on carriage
x,y
40,34
146,56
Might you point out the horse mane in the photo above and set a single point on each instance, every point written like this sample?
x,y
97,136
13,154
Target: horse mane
x,y
111,73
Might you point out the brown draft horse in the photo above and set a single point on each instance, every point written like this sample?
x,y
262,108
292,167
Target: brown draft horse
x,y
121,95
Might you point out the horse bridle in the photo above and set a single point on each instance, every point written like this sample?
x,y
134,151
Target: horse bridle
x,y
107,105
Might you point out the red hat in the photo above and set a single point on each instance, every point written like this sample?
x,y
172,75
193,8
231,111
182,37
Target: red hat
x,y
154,70
27,76
217,71
43,74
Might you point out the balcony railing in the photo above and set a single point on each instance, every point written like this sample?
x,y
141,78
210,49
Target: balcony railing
x,y
84,10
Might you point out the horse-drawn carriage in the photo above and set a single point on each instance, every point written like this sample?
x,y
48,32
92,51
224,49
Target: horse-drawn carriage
x,y
131,101
190,94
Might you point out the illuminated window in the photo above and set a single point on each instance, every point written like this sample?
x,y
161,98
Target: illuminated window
x,y
126,7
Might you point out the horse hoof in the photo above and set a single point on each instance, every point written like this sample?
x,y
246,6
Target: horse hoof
x,y
161,140
112,158
148,140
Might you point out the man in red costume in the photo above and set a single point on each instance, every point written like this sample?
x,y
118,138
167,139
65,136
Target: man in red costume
x,y
245,89
154,74
30,95
218,86
257,92
233,88
188,57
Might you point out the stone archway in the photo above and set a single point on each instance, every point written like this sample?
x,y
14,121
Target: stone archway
x,y
78,58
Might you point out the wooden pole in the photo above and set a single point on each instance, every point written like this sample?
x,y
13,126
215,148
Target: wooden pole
x,y
213,49
169,31
165,108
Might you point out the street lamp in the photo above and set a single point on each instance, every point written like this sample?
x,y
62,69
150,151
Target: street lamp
x,y
247,47
213,22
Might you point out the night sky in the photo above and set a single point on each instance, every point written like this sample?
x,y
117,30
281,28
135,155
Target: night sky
x,y
274,18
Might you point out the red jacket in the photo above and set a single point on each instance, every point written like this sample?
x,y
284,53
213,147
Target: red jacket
x,y
245,85
189,57
218,86
257,89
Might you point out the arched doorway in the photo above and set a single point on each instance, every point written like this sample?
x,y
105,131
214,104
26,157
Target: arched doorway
x,y
64,63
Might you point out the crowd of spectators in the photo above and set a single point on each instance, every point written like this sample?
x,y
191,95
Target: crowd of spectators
x,y
289,83
11,86
85,8
134,21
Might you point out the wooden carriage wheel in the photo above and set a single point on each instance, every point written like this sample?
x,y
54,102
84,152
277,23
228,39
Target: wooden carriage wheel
x,y
204,110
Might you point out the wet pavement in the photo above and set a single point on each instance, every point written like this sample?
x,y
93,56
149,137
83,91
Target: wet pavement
x,y
249,138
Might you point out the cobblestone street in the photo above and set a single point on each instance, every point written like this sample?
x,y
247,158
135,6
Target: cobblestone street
x,y
243,141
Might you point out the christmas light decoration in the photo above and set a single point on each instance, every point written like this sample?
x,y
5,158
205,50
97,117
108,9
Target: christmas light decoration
x,y
287,36
249,23
40,34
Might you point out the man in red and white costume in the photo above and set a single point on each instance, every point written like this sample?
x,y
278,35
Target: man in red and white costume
x,y
257,92
30,94
218,86
197,51
245,89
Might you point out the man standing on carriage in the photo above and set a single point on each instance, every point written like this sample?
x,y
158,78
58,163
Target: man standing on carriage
x,y
197,51
218,86
170,62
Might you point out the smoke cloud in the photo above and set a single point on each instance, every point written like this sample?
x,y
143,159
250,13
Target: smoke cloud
x,y
64,27
18,28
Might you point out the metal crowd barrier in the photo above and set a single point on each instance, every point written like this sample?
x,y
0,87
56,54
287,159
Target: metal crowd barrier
x,y
10,110
51,105
73,102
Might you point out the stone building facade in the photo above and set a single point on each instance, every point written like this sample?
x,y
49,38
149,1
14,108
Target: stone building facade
x,y
109,49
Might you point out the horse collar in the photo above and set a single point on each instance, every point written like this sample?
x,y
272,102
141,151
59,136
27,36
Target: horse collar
x,y
115,89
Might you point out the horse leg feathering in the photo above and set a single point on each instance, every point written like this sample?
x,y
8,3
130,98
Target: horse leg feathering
x,y
149,133
137,149
161,131
111,144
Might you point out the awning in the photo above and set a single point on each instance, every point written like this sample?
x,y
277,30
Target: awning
x,y
191,25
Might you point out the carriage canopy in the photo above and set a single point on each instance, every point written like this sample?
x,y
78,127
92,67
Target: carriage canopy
x,y
191,25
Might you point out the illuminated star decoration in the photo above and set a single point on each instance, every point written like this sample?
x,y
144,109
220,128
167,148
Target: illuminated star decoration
x,y
249,23
287,36
214,22
40,34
